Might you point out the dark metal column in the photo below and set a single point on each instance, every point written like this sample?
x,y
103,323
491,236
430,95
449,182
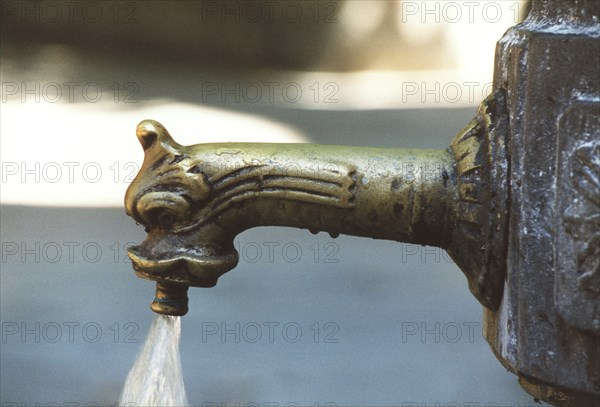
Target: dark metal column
x,y
547,328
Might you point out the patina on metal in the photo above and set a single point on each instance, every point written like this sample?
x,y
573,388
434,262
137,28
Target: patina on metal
x,y
194,200
515,200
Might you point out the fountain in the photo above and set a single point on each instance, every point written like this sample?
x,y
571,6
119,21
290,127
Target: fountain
x,y
513,200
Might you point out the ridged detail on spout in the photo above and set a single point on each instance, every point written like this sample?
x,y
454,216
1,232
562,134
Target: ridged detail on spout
x,y
467,153
480,213
330,186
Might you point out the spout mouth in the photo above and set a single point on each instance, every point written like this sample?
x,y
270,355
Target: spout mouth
x,y
170,299
193,268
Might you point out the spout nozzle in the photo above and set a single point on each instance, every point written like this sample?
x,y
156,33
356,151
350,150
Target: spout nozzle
x,y
170,299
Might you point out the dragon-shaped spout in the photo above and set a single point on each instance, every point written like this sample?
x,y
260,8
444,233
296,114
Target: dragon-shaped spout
x,y
194,200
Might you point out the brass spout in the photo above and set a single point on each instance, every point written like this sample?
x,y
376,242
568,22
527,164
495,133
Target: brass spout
x,y
194,200
170,299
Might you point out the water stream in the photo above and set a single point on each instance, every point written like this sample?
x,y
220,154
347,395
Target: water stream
x,y
156,378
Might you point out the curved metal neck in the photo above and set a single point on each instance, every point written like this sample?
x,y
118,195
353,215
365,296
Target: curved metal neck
x,y
194,200
389,194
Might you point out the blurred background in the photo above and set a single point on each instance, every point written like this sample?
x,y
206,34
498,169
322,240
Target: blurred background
x,y
344,321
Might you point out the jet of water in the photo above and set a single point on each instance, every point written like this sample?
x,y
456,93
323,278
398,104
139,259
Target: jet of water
x,y
156,378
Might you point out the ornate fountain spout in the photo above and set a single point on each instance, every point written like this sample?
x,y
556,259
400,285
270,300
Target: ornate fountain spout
x,y
194,200
515,200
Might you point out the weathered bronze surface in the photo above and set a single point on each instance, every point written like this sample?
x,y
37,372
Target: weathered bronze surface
x,y
194,200
515,200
